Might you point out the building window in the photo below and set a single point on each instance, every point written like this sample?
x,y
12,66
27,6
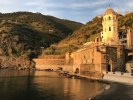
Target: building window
x,y
125,41
109,18
105,29
97,40
104,56
124,36
109,28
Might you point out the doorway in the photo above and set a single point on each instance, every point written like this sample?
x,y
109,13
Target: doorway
x,y
77,71
108,68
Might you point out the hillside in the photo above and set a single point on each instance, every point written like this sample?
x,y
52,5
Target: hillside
x,y
23,34
74,41
86,33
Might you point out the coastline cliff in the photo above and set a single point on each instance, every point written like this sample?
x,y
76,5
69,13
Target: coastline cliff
x,y
24,34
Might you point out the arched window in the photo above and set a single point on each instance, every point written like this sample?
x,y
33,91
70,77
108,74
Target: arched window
x,y
77,71
109,28
109,18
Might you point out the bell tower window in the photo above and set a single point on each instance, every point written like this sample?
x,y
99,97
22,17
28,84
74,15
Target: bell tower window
x,y
109,28
109,18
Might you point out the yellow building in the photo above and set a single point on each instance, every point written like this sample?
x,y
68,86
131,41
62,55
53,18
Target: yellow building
x,y
110,28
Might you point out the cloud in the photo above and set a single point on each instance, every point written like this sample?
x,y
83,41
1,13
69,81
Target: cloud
x,y
78,10
5,2
89,4
130,4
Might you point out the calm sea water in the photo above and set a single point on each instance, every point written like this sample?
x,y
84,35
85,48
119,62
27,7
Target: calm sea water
x,y
24,85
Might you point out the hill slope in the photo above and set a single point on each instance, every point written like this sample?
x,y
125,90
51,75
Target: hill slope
x,y
86,33
22,34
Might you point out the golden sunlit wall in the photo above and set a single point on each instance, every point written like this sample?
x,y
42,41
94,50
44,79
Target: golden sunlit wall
x,y
110,28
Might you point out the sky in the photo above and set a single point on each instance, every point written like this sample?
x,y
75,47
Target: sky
x,y
76,10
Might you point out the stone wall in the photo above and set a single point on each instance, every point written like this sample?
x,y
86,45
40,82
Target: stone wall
x,y
116,57
53,57
50,61
130,38
53,62
117,77
42,64
89,59
93,59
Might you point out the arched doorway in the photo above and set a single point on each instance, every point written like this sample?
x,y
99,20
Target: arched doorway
x,y
77,71
108,68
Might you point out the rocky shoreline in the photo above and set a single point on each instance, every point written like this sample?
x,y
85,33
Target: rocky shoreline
x,y
16,63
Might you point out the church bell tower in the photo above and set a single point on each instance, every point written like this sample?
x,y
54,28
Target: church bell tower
x,y
110,28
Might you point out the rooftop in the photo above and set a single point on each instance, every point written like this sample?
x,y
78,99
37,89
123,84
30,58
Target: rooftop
x,y
109,11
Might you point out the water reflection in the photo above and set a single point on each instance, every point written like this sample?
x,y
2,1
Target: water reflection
x,y
25,85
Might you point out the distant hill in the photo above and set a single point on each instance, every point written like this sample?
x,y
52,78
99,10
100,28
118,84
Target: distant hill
x,y
86,33
25,33
74,41
126,20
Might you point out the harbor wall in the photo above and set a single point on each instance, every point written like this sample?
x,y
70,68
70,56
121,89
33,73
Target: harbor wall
x,y
54,64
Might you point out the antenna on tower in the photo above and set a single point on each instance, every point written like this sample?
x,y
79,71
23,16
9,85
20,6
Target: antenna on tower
x,y
109,3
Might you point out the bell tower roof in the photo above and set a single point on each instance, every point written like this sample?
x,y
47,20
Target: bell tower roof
x,y
109,11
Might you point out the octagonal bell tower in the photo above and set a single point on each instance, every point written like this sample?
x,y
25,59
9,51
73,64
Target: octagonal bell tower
x,y
110,28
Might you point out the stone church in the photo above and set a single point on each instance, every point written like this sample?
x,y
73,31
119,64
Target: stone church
x,y
107,53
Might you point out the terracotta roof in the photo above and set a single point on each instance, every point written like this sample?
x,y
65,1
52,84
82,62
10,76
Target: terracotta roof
x,y
109,11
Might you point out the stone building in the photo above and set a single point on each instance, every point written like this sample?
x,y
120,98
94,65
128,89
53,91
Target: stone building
x,y
54,62
90,60
106,53
115,58
96,58
126,37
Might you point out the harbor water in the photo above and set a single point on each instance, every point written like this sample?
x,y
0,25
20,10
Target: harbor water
x,y
41,85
